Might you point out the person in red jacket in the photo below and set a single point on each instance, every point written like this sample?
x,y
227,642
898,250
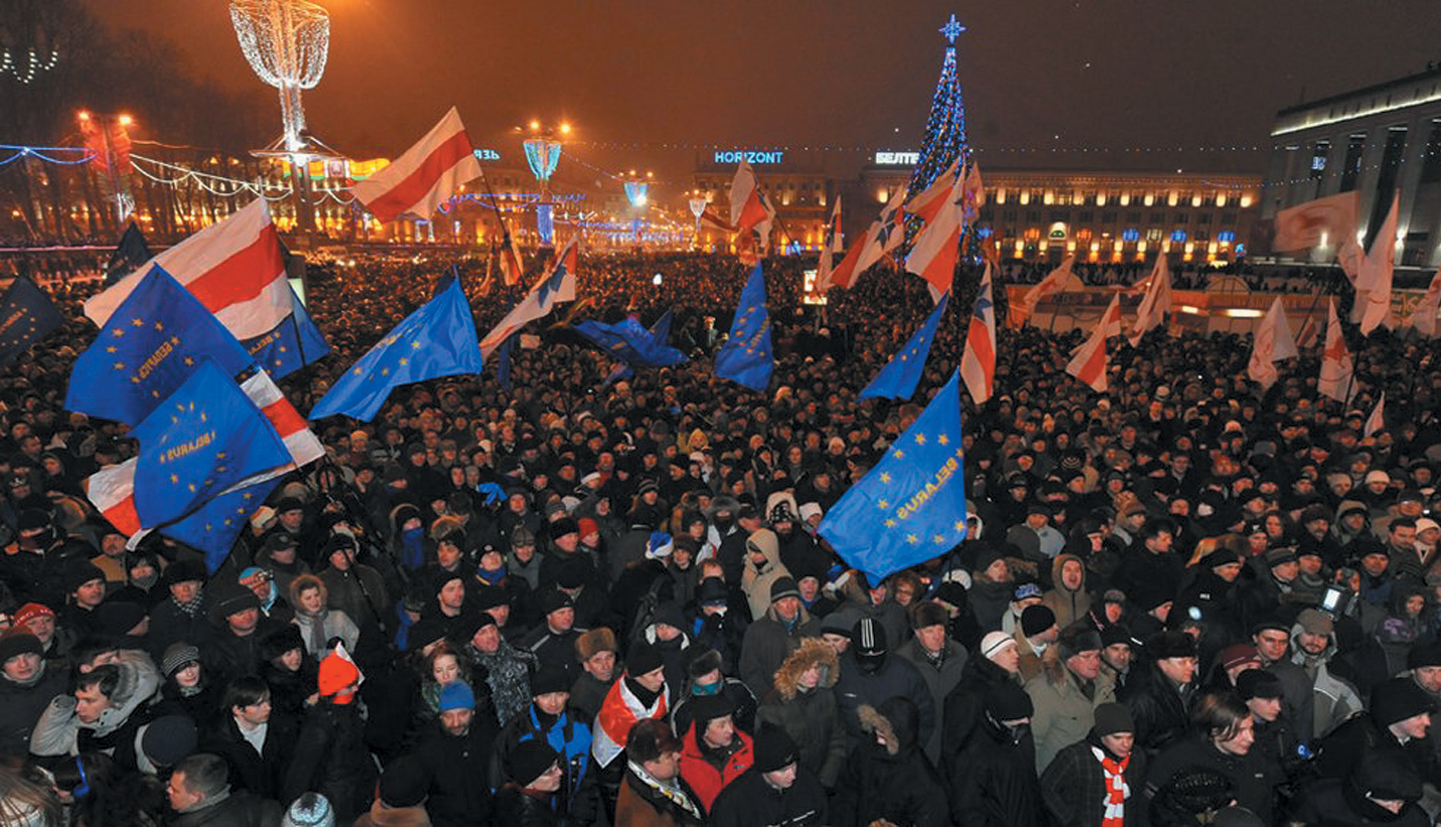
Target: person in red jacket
x,y
714,752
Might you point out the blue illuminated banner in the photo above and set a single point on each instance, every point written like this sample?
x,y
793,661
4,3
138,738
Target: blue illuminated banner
x,y
486,155
750,157
904,159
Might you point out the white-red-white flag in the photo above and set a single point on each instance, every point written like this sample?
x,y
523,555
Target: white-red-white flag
x,y
512,267
929,202
1330,220
1058,280
557,285
830,245
978,362
973,194
938,247
1089,362
1373,286
1272,342
748,210
1336,365
885,234
234,267
1423,317
711,220
425,176
1153,309
1377,420
112,489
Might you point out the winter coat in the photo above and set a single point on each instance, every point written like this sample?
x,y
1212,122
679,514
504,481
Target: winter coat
x,y
750,801
964,707
454,763
1253,778
1335,803
1064,713
259,772
893,782
238,809
810,718
989,600
569,737
756,580
940,680
381,815
994,782
1068,606
736,692
768,642
1074,786
1334,692
895,678
331,758
1161,712
640,806
60,732
21,707
699,771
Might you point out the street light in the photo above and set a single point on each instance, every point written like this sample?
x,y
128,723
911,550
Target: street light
x,y
542,153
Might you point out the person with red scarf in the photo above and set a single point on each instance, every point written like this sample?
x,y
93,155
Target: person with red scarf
x,y
1097,782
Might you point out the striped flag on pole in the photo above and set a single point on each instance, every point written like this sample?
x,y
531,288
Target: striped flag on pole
x,y
425,177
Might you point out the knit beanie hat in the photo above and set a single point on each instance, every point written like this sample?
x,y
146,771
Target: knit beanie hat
x,y
1258,683
16,643
1112,718
995,642
1008,702
336,673
1036,619
644,658
1316,622
530,760
1237,655
30,611
169,739
774,750
177,656
456,695
550,678
1397,699
309,810
405,782
1424,654
1077,639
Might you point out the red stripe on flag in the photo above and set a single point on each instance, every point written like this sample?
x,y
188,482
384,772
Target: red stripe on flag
x,y
123,516
284,417
243,276
417,184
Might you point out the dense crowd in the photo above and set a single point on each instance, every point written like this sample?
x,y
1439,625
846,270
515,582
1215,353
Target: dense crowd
x,y
1186,600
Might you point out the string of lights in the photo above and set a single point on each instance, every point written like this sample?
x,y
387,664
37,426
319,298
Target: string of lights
x,y
41,152
34,64
870,149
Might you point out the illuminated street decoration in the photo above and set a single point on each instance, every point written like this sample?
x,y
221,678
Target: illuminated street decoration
x,y
286,42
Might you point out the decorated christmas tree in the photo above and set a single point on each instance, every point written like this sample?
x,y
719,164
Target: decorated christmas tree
x,y
945,137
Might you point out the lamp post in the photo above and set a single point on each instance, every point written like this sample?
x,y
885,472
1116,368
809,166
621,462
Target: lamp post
x,y
108,138
542,153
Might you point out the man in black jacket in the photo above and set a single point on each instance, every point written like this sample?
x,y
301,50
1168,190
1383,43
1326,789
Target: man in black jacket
x,y
255,741
458,750
199,791
994,783
775,791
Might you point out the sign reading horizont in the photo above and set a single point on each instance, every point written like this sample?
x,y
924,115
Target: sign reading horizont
x,y
750,157
907,159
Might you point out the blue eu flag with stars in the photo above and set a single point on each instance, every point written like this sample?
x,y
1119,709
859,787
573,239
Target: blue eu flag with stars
x,y
746,356
147,348
898,379
632,344
204,438
214,527
26,316
293,344
912,505
436,340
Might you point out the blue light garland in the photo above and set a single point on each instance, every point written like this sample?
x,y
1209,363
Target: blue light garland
x,y
18,152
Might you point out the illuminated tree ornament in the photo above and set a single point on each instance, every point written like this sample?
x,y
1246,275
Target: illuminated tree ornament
x,y
286,42
945,137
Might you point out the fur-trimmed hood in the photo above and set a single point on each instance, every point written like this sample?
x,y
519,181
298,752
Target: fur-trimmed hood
x,y
811,652
897,719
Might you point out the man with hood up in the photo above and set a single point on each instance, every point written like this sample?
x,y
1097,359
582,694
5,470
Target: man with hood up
x,y
763,567
888,777
1068,598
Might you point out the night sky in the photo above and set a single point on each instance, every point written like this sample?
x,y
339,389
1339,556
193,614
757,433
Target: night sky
x,y
1038,75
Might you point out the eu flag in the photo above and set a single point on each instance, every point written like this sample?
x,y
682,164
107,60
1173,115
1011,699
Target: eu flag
x,y
436,340
147,348
206,437
214,527
293,344
26,316
746,357
898,379
632,344
912,505
130,254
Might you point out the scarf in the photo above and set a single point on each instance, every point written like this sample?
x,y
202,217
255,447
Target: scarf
x,y
670,789
192,608
313,625
412,550
1117,791
491,576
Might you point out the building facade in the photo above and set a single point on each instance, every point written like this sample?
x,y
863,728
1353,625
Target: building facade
x,y
1374,141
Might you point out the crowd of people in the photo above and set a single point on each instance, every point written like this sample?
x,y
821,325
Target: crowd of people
x,y
1186,600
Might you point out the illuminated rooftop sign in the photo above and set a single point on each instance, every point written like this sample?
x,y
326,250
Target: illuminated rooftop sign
x,y
898,159
750,157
